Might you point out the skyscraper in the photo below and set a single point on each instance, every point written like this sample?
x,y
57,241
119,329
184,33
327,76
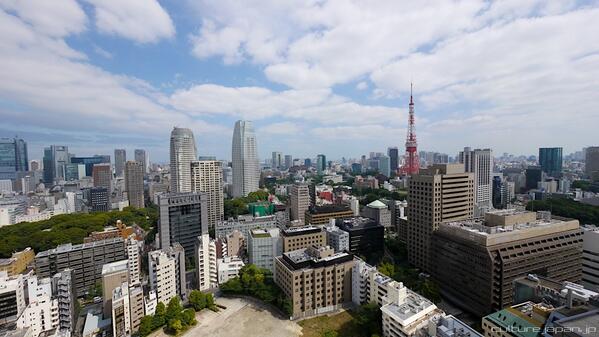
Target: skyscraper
x,y
385,166
183,152
479,162
276,159
13,157
56,157
134,184
142,157
321,163
550,160
288,161
440,193
89,162
592,161
393,154
207,177
120,157
246,168
102,175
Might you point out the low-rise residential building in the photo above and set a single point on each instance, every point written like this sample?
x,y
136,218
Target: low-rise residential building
x,y
263,246
316,279
18,262
295,238
228,268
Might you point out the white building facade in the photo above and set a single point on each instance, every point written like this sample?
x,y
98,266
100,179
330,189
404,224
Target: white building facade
x,y
246,167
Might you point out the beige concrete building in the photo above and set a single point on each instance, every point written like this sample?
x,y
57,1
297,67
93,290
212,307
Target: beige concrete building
x,y
483,258
207,177
18,262
303,237
134,183
299,201
440,193
316,279
137,307
113,276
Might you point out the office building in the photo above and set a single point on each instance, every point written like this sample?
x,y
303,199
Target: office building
x,y
167,273
534,175
366,236
205,261
99,199
141,156
207,177
74,172
592,161
263,246
134,184
393,153
442,192
384,165
246,167
315,279
277,160
322,215
479,162
337,239
183,152
590,257
295,238
114,274
288,161
321,163
89,162
244,224
102,175
228,268
183,217
56,157
86,261
13,158
120,311
482,258
18,262
120,158
551,161
299,201
378,211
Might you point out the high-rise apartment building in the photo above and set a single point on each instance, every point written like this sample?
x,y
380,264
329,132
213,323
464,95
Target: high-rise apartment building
x,y
551,161
120,158
13,158
134,260
120,311
277,159
56,157
592,161
141,156
205,259
299,201
246,167
480,162
183,217
316,279
442,192
183,152
86,261
134,184
167,273
102,175
207,177
482,258
321,163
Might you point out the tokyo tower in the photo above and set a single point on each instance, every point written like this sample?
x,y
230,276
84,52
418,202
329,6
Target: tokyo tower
x,y
412,164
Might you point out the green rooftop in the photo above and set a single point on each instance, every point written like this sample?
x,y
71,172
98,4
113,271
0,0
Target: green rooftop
x,y
516,322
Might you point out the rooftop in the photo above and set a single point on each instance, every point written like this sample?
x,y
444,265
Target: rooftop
x,y
357,222
115,267
377,204
294,231
409,308
518,318
324,209
314,257
70,247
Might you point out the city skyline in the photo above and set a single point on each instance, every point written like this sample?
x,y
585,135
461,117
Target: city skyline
x,y
123,76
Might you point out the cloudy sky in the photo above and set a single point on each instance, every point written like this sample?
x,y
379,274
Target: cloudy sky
x,y
318,76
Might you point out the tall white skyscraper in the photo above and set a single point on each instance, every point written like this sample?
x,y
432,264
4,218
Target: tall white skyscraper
x,y
246,168
480,162
183,152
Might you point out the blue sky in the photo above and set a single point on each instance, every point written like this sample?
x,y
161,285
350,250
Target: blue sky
x,y
315,76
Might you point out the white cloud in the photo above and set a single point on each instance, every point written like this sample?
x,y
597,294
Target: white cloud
x,y
143,21
288,129
362,86
56,18
102,52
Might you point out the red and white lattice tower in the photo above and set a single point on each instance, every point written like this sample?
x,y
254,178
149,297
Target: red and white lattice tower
x,y
412,163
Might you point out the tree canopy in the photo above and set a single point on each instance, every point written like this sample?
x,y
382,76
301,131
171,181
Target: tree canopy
x,y
568,208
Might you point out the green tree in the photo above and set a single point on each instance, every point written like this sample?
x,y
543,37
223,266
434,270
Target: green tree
x,y
174,308
188,317
210,301
330,333
197,300
368,319
387,269
146,325
175,326
159,316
